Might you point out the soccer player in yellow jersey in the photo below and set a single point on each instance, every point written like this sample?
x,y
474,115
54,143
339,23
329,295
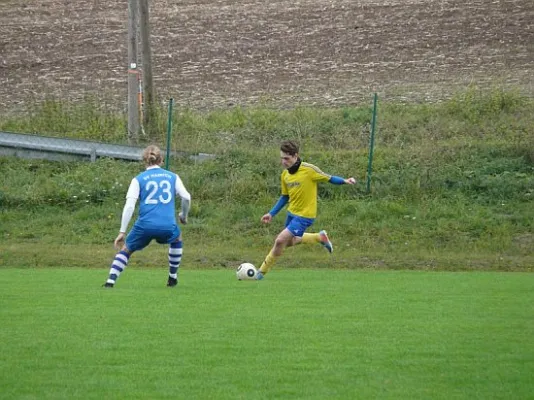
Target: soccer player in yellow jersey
x,y
299,189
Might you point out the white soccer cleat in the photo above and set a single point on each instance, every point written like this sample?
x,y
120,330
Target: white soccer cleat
x,y
326,242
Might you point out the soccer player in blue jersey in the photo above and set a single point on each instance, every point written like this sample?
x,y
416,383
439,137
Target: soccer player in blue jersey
x,y
156,189
299,190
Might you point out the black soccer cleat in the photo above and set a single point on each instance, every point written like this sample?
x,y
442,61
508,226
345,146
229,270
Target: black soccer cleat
x,y
107,284
171,282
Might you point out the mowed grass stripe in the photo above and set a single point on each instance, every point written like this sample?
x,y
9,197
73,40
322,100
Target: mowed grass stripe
x,y
299,334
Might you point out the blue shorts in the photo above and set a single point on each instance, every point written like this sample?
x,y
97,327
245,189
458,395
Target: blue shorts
x,y
298,225
140,237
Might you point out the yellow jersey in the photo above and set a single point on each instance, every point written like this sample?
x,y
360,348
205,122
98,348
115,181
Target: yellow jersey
x,y
301,187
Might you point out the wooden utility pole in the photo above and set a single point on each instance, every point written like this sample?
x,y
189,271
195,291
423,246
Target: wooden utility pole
x,y
148,80
133,73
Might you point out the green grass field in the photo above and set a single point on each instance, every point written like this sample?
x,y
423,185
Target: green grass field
x,y
299,334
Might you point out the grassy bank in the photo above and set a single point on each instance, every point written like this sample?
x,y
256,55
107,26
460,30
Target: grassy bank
x,y
453,186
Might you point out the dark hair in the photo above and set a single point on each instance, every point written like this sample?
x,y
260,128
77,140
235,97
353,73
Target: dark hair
x,y
289,147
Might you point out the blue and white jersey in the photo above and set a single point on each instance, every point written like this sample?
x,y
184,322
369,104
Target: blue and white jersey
x,y
156,188
156,198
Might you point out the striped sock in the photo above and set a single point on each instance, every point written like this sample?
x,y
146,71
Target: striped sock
x,y
175,257
118,265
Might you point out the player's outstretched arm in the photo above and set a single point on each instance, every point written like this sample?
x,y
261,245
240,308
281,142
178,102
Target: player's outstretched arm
x,y
119,240
337,180
127,212
282,201
267,218
186,200
183,216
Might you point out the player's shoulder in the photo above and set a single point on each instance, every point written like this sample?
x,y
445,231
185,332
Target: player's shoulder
x,y
156,173
140,175
311,167
305,164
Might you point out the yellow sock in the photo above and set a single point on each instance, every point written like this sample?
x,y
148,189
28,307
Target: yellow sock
x,y
268,263
311,238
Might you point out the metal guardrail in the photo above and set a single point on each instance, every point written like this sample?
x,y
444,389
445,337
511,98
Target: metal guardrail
x,y
58,149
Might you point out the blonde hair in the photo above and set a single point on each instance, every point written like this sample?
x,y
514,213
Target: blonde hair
x,y
152,155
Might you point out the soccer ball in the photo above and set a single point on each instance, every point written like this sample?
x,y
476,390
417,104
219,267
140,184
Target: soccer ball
x,y
246,271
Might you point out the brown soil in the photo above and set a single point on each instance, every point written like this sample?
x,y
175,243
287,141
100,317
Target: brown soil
x,y
215,53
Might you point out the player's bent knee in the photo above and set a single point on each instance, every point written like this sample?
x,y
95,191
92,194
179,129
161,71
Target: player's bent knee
x,y
127,250
281,242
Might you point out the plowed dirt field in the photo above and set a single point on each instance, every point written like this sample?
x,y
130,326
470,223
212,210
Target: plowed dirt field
x,y
210,54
